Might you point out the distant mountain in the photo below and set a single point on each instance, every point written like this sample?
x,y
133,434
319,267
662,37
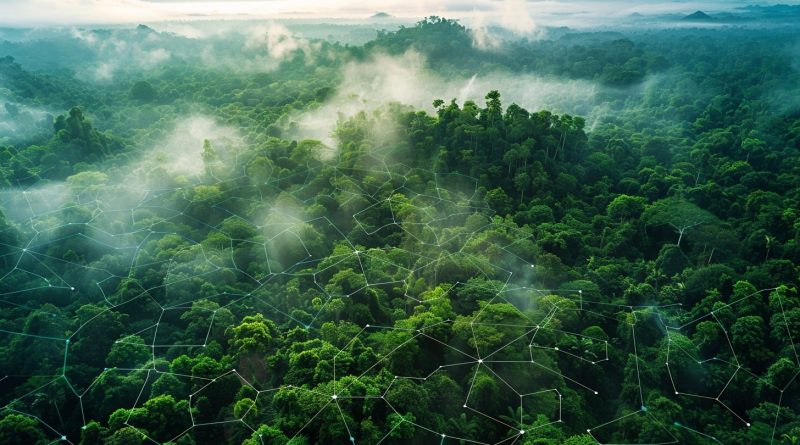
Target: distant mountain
x,y
698,16
381,15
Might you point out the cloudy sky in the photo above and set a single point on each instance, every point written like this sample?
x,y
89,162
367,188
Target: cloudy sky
x,y
75,12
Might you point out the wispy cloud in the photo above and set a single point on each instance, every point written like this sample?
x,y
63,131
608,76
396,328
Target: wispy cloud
x,y
406,79
516,15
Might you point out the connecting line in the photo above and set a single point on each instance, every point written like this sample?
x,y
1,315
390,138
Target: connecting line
x,y
680,426
636,358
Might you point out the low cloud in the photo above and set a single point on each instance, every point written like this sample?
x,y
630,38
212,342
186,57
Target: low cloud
x,y
20,122
405,79
514,15
115,53
181,152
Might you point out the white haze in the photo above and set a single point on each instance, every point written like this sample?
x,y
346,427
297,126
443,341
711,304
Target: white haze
x,y
24,204
513,16
115,53
266,45
20,121
556,13
405,79
181,151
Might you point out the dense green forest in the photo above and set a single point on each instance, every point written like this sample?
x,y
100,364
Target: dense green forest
x,y
585,237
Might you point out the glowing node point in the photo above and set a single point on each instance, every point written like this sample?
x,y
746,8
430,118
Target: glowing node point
x,y
556,348
588,431
748,425
596,393
480,360
334,397
444,435
676,393
522,431
644,408
63,437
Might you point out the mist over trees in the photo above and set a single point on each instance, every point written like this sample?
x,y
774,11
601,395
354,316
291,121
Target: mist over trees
x,y
258,237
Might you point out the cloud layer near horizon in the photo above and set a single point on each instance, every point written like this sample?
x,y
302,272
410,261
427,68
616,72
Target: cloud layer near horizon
x,y
508,13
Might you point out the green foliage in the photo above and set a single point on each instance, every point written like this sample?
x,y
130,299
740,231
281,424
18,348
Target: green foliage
x,y
476,271
16,429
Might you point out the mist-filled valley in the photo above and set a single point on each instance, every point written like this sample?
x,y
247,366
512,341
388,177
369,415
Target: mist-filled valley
x,y
487,228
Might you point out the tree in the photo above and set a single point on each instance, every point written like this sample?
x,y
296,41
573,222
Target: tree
x,y
128,352
16,429
625,207
253,335
580,439
679,214
143,91
748,335
266,434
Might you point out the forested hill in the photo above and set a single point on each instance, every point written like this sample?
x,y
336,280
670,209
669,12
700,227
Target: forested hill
x,y
205,250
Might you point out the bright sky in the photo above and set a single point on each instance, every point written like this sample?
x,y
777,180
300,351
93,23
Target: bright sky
x,y
73,12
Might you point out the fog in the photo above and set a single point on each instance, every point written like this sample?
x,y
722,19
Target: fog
x,y
115,52
406,79
512,14
20,122
25,205
181,152
263,46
